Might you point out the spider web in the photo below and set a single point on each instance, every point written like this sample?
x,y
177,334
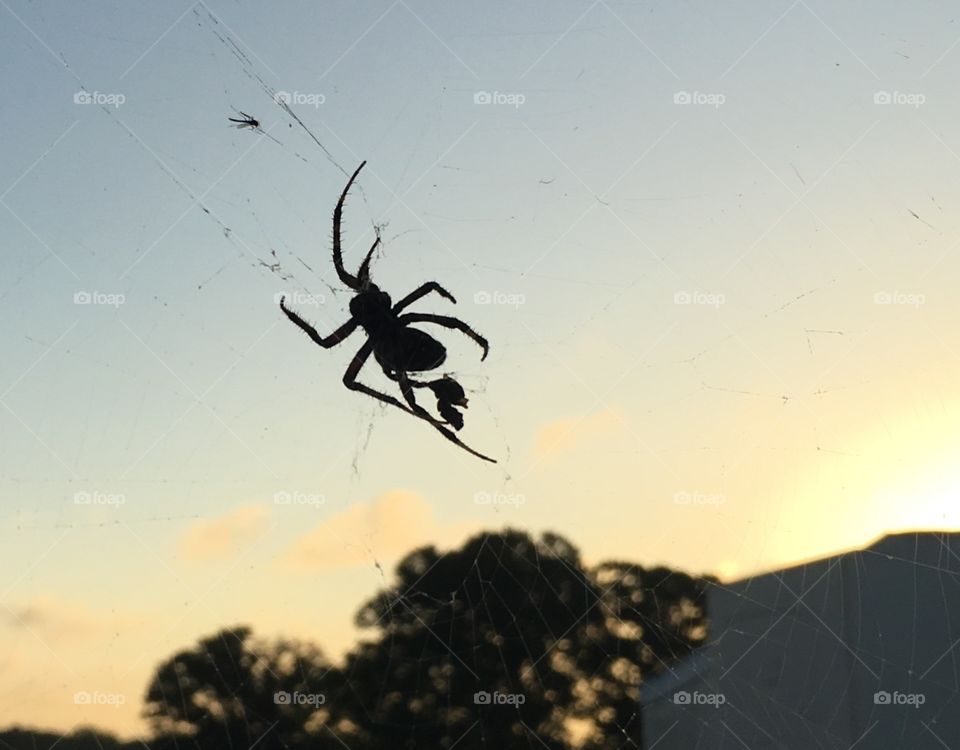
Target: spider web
x,y
262,225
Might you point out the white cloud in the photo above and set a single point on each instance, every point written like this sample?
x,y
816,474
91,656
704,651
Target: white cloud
x,y
562,434
222,537
385,528
58,620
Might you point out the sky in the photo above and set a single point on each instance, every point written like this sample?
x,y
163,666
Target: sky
x,y
713,250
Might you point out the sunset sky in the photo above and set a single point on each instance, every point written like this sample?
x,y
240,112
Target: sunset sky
x,y
713,248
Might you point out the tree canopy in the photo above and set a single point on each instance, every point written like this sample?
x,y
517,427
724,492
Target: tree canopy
x,y
508,641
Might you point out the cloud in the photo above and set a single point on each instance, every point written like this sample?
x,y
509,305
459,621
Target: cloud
x,y
562,434
57,620
222,537
385,528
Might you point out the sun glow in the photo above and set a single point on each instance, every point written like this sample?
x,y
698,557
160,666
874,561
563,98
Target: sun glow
x,y
897,475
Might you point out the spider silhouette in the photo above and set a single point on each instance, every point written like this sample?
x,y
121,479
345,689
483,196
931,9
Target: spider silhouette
x,y
399,348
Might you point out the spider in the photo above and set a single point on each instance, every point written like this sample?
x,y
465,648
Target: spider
x,y
399,348
246,122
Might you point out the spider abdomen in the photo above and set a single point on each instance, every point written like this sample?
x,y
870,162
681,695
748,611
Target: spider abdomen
x,y
411,351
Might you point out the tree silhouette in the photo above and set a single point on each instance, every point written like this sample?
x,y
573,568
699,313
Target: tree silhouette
x,y
233,691
652,618
523,622
509,641
82,738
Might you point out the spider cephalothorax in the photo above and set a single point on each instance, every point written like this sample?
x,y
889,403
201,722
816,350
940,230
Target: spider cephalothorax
x,y
370,307
399,348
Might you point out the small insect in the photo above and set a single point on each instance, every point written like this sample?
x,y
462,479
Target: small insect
x,y
399,348
246,122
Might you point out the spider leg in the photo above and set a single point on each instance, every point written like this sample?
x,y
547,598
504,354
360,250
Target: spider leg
x,y
407,384
351,281
406,387
363,275
326,342
448,322
423,291
350,381
395,377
